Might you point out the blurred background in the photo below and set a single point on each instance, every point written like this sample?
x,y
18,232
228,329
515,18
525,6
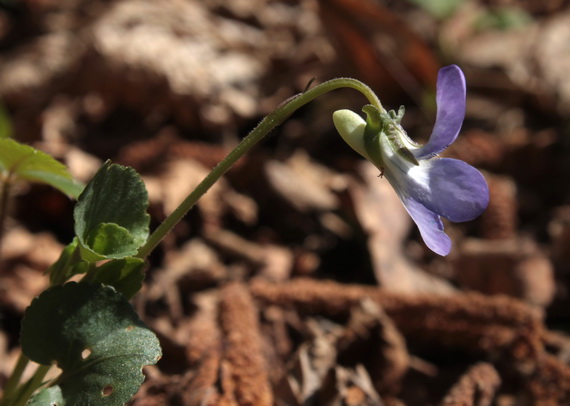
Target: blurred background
x,y
170,88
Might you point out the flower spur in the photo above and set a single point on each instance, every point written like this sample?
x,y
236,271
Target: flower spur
x,y
429,188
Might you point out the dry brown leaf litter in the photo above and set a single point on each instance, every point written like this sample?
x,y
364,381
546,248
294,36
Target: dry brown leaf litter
x,y
83,80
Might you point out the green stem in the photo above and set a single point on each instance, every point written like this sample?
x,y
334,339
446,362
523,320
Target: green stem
x,y
275,118
14,379
31,385
19,396
90,273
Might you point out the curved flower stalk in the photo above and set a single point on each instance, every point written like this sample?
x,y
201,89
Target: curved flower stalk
x,y
429,188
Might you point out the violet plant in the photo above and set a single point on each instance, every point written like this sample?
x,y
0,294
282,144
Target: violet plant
x,y
429,188
90,330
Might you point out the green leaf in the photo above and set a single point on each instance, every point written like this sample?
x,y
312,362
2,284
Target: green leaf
x,y
36,166
111,241
68,264
439,8
93,334
126,275
5,125
110,215
49,396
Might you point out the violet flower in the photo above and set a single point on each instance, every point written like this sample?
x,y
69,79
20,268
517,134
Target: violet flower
x,y
429,188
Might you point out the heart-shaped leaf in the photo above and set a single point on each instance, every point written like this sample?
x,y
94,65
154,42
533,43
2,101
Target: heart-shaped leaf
x,y
33,165
94,335
126,275
110,216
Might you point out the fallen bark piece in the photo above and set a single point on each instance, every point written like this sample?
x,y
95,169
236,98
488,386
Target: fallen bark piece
x,y
475,388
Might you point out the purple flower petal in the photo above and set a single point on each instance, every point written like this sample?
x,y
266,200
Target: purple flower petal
x,y
450,188
430,226
450,100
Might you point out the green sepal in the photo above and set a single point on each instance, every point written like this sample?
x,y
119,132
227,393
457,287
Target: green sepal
x,y
372,134
110,215
94,335
388,125
34,165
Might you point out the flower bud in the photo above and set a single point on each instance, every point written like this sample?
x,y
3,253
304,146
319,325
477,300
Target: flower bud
x,y
351,127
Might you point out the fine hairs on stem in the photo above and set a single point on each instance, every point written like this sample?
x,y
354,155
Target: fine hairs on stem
x,y
275,118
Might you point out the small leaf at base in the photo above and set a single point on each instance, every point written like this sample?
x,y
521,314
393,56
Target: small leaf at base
x,y
110,215
66,320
